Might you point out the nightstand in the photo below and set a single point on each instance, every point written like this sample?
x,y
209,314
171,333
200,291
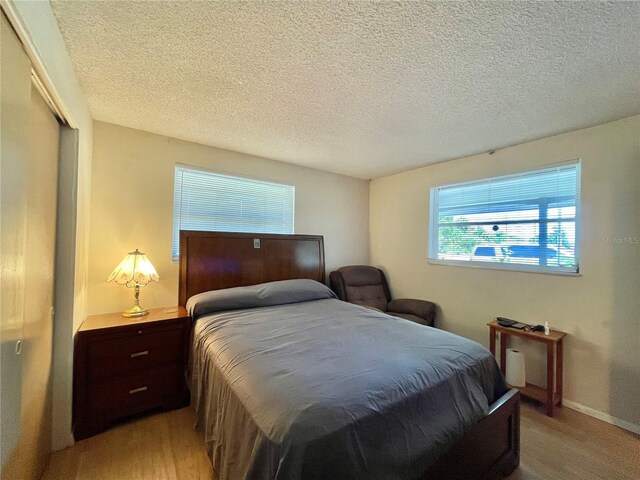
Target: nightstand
x,y
126,366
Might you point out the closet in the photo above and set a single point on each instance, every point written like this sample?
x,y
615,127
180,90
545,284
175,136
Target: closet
x,y
29,150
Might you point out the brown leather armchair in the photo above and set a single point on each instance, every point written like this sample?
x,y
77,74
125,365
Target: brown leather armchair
x,y
367,286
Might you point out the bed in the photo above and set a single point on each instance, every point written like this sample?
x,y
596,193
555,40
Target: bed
x,y
290,383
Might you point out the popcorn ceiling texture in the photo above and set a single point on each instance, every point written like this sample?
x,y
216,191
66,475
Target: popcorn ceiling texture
x,y
360,88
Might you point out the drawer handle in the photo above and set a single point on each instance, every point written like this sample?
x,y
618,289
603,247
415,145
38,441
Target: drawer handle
x,y
138,390
140,354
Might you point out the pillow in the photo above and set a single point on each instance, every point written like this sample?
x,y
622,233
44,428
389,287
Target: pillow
x,y
262,295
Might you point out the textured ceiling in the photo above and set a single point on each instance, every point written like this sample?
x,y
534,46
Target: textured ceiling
x,y
364,89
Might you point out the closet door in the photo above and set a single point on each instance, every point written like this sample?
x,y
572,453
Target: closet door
x,y
34,443
38,170
14,109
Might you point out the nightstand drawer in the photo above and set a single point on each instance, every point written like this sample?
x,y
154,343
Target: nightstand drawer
x,y
109,358
130,394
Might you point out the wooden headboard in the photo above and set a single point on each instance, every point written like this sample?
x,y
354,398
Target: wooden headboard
x,y
215,260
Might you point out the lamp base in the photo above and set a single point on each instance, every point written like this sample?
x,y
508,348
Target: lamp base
x,y
136,311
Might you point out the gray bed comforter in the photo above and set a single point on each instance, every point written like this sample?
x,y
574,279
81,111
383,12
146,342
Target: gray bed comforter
x,y
290,383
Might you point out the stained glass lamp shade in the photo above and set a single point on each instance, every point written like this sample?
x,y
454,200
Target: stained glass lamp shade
x,y
134,271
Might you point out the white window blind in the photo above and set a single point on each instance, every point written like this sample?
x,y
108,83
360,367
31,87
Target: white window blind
x,y
526,221
213,202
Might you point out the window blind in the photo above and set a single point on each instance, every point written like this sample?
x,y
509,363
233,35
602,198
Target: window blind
x,y
210,201
523,221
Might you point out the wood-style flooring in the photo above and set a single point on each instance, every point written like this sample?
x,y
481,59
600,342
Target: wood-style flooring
x,y
164,446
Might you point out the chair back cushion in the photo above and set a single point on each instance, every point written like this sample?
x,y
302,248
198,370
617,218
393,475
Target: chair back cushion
x,y
362,285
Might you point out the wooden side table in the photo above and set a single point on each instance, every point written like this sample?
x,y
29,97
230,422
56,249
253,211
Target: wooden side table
x,y
552,395
128,365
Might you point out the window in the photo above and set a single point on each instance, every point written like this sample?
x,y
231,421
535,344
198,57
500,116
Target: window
x,y
205,200
526,221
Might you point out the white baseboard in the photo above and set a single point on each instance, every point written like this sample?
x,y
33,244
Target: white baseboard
x,y
605,417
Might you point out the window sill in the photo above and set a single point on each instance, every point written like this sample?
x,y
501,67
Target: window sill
x,y
505,267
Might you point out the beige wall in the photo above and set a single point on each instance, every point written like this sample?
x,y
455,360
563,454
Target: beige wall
x,y
132,207
600,310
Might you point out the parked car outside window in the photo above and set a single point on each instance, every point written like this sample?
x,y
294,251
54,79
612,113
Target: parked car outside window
x,y
531,253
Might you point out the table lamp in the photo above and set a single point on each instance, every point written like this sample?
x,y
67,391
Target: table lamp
x,y
134,271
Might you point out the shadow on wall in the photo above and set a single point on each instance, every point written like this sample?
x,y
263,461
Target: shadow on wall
x,y
624,388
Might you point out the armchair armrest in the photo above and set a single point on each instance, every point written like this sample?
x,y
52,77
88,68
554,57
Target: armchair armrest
x,y
412,306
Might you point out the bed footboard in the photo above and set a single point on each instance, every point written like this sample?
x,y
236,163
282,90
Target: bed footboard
x,y
490,450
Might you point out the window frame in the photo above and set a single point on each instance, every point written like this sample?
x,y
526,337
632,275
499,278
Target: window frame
x,y
176,258
432,252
